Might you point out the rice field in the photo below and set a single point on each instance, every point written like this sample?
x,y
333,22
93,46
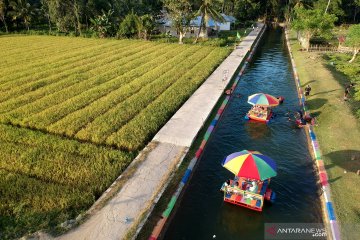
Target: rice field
x,y
74,112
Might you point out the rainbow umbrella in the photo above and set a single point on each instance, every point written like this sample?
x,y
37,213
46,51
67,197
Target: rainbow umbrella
x,y
263,99
250,164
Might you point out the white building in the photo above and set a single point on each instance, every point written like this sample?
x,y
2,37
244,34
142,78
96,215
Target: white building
x,y
166,25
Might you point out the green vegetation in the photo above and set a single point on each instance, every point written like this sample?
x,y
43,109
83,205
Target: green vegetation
x,y
338,130
86,96
208,10
113,95
339,64
354,40
47,179
312,22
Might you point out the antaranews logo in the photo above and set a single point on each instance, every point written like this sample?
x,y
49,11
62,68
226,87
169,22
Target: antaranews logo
x,y
294,231
271,230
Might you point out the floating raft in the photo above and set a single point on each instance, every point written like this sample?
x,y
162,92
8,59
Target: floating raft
x,y
259,118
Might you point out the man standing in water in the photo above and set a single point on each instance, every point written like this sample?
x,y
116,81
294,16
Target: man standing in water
x,y
307,90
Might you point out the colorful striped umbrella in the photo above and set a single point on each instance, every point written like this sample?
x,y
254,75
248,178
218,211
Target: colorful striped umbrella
x,y
250,164
263,99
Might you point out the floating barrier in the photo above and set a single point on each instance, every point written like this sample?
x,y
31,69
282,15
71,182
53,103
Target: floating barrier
x,y
161,223
316,149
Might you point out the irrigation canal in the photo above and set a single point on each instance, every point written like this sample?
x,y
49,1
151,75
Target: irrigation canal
x,y
202,212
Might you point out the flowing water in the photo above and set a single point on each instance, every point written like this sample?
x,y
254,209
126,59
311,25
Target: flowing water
x,y
202,212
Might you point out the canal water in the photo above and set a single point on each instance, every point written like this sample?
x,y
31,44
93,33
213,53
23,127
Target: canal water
x,y
202,213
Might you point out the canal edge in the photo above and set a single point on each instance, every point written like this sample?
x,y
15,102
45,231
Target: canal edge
x,y
159,227
327,205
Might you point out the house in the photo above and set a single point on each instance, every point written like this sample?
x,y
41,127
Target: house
x,y
166,25
218,26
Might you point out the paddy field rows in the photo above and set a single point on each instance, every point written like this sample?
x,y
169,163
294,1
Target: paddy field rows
x,y
74,112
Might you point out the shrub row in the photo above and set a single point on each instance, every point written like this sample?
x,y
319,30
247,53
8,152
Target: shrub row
x,y
34,105
73,122
24,57
132,70
139,130
54,159
87,77
54,61
36,80
112,120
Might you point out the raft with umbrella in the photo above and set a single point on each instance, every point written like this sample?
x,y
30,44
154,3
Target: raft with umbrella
x,y
262,104
253,172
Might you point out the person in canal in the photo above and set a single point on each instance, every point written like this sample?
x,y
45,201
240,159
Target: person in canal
x,y
307,90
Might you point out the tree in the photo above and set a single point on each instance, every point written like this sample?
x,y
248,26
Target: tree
x,y
102,24
22,10
289,11
330,6
180,13
60,13
356,9
311,22
353,40
246,10
129,27
46,12
146,25
207,11
3,10
77,8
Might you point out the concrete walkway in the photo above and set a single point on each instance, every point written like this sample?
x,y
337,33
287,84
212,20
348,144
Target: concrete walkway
x,y
136,197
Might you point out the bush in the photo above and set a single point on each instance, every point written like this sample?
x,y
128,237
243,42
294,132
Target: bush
x,y
129,27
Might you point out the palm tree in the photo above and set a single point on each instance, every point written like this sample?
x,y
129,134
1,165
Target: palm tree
x,y
21,9
208,10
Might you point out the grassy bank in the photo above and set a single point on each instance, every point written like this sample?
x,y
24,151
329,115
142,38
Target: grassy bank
x,y
338,132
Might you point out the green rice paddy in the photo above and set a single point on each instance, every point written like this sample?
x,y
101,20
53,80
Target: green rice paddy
x,y
75,112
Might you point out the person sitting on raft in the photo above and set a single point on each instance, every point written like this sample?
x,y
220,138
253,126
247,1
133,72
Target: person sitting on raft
x,y
253,187
227,183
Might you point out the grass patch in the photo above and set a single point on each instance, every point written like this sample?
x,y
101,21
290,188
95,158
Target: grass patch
x,y
47,179
338,132
345,72
74,112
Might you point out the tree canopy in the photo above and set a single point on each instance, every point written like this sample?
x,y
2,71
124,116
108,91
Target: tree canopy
x,y
74,16
353,39
311,22
181,13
